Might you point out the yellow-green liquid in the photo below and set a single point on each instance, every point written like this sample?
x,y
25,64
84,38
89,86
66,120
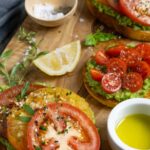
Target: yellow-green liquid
x,y
134,131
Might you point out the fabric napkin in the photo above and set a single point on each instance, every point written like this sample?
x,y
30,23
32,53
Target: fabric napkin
x,y
12,13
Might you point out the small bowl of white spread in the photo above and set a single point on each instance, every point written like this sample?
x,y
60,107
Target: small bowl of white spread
x,y
50,13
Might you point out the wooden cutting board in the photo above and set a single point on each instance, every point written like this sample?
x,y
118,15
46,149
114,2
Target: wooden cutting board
x,y
77,27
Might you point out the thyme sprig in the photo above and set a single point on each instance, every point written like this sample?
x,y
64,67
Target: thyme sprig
x,y
17,73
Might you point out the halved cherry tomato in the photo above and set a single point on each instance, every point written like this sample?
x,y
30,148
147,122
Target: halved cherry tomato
x,y
101,58
96,74
144,49
133,81
111,82
116,65
143,69
114,4
79,133
130,56
137,10
115,51
7,97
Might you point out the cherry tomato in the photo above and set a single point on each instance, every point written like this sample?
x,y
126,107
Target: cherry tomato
x,y
101,58
96,74
115,51
111,82
7,97
116,65
130,56
133,81
137,10
143,69
144,49
79,132
114,4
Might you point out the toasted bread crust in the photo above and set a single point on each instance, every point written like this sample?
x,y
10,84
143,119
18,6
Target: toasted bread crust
x,y
111,22
107,102
98,97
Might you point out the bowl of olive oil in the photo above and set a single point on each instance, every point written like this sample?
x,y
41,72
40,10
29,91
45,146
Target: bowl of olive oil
x,y
128,125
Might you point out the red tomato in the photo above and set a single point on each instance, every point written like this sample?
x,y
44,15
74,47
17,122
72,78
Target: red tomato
x,y
130,56
116,65
111,82
133,81
114,4
143,69
79,133
7,97
144,49
115,51
137,10
96,74
101,58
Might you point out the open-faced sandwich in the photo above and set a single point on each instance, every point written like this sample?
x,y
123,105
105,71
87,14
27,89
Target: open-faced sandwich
x,y
131,18
40,118
119,72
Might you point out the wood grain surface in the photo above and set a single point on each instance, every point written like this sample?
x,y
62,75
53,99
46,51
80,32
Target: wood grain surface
x,y
77,27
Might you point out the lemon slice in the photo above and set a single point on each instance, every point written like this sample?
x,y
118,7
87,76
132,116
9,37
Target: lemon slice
x,y
61,60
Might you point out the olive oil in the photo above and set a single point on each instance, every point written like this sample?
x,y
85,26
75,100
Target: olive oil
x,y
134,131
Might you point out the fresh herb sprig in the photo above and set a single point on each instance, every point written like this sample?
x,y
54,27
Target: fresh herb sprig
x,y
18,72
98,36
6,143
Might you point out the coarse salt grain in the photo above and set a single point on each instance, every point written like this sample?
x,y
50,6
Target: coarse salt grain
x,y
46,11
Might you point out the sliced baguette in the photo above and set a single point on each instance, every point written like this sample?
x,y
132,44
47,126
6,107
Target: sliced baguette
x,y
111,22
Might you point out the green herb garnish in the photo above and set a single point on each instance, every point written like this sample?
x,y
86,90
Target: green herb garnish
x,y
24,119
38,148
28,109
24,90
16,75
6,143
43,128
99,36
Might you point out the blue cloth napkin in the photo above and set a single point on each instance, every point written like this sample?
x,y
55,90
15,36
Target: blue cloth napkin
x,y
12,13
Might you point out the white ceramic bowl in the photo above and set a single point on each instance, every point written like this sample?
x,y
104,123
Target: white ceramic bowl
x,y
126,108
29,5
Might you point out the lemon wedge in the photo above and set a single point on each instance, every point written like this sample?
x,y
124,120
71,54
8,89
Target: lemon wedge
x,y
61,60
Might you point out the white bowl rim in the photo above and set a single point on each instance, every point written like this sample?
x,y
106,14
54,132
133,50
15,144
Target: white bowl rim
x,y
111,131
47,20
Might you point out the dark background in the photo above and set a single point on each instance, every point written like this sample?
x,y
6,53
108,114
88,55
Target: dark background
x,y
12,13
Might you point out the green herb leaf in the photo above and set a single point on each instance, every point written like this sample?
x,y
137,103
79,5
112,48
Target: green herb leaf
x,y
24,90
43,128
24,119
6,54
6,143
28,109
41,54
38,148
99,36
2,66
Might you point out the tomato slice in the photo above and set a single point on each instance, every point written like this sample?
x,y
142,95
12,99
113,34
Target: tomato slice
x,y
115,51
96,74
114,4
78,134
131,56
137,10
101,58
111,82
143,69
116,65
133,81
7,97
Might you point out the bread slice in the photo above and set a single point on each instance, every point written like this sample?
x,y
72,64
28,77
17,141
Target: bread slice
x,y
113,23
107,102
